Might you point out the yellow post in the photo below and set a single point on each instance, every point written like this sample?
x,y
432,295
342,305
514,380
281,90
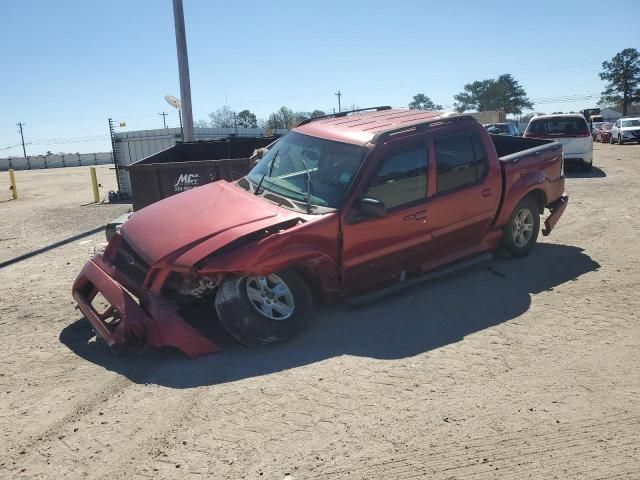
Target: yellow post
x,y
14,189
94,184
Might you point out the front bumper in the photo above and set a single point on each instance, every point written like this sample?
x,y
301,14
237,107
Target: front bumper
x,y
557,209
129,325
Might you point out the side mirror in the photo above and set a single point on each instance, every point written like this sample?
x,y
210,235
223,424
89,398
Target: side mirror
x,y
371,208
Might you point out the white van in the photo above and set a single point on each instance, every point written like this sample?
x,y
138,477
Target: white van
x,y
571,130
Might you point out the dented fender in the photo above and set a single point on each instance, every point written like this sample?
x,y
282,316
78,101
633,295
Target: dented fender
x,y
277,252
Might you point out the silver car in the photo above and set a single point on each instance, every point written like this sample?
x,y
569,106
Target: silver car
x,y
625,130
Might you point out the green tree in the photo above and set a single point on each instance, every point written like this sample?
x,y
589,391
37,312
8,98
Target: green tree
x,y
422,102
223,118
301,116
246,119
503,93
317,113
623,75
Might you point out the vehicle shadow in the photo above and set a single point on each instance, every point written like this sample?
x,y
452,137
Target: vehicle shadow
x,y
413,321
573,171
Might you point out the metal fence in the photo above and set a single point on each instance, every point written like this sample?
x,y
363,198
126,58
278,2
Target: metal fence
x,y
55,161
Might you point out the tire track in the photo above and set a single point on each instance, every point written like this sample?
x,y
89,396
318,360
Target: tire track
x,y
625,427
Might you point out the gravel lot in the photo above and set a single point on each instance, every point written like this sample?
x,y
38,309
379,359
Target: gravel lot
x,y
519,369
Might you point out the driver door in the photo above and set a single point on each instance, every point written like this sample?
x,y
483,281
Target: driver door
x,y
378,249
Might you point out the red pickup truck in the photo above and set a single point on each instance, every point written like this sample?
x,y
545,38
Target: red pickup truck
x,y
340,205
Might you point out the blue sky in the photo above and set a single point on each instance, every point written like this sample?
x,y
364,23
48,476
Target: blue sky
x,y
68,65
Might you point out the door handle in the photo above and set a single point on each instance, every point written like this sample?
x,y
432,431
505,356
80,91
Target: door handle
x,y
486,192
421,215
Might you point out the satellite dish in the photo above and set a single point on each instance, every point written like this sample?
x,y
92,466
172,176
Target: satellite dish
x,y
173,101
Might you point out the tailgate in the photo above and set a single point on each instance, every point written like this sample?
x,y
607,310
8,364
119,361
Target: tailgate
x,y
574,145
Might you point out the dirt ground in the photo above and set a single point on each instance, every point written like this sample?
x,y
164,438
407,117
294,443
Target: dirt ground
x,y
517,369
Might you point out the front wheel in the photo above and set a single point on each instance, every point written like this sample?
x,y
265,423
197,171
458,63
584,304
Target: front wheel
x,y
521,231
258,310
620,141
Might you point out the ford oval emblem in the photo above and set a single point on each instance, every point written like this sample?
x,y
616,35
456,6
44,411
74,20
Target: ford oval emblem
x,y
129,259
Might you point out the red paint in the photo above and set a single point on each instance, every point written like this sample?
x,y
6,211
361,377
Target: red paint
x,y
183,233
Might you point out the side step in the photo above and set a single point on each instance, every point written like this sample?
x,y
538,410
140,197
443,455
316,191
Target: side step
x,y
368,298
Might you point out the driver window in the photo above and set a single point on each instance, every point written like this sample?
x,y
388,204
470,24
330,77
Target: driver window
x,y
401,178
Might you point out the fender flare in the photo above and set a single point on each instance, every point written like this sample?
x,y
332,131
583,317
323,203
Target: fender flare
x,y
532,182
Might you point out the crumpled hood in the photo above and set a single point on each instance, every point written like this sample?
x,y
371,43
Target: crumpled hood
x,y
182,221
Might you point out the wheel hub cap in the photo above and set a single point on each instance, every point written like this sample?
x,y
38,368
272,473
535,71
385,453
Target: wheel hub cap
x,y
522,229
270,296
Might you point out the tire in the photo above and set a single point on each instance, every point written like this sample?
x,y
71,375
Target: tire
x,y
242,318
620,141
611,140
511,240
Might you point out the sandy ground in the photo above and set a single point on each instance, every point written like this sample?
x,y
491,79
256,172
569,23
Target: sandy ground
x,y
520,369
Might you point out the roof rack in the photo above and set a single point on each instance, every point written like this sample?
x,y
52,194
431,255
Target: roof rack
x,y
383,136
344,114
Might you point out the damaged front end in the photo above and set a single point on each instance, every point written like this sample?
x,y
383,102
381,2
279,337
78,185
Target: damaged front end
x,y
138,312
132,304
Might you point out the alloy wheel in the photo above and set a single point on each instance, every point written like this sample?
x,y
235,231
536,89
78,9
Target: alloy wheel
x,y
270,296
522,228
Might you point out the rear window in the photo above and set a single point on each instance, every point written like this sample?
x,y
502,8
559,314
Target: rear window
x,y
559,126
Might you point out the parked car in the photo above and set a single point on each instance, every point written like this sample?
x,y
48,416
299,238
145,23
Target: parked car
x,y
502,128
603,133
625,130
594,127
571,130
340,205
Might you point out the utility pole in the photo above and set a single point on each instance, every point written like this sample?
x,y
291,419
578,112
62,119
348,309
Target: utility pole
x,y
338,94
183,69
24,150
164,118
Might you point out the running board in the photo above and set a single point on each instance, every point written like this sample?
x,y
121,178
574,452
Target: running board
x,y
367,298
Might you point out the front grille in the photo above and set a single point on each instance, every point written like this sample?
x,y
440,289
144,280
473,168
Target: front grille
x,y
130,264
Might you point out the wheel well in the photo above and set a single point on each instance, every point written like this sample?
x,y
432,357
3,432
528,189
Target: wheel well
x,y
540,199
312,281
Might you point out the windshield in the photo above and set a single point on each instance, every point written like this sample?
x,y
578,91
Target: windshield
x,y
332,166
631,123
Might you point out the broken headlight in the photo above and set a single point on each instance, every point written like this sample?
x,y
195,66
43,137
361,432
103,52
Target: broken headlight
x,y
191,285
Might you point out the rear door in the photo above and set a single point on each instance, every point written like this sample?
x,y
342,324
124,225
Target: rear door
x,y
466,190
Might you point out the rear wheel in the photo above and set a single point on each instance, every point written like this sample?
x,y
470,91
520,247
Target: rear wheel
x,y
257,310
521,232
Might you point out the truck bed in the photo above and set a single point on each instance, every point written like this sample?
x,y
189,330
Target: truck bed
x,y
514,149
526,162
